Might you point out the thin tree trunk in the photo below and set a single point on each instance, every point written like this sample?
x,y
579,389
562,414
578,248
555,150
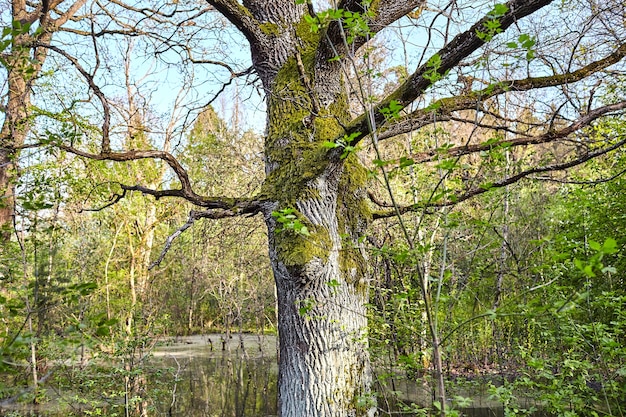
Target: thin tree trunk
x,y
107,285
6,194
23,64
503,244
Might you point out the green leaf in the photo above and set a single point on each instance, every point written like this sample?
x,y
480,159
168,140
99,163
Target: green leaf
x,y
447,165
434,106
406,162
595,246
380,163
609,246
498,10
393,110
579,264
333,283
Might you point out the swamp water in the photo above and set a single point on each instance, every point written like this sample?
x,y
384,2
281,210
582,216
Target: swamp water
x,y
211,376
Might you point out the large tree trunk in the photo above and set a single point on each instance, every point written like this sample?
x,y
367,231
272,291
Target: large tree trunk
x,y
320,273
323,362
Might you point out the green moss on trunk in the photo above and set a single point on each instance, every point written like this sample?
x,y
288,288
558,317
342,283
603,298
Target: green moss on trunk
x,y
295,250
354,215
270,28
296,158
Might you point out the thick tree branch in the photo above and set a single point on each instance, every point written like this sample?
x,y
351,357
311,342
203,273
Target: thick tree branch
x,y
581,122
462,46
241,17
68,14
441,109
234,205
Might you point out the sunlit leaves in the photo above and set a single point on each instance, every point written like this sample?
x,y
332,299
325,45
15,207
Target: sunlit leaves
x,y
493,26
392,111
288,220
344,143
593,265
498,10
355,23
525,42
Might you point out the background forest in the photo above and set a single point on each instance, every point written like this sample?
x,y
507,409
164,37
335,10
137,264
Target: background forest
x,y
521,286
527,280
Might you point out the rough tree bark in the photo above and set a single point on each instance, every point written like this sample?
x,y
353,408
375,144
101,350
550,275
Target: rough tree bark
x,y
320,276
14,130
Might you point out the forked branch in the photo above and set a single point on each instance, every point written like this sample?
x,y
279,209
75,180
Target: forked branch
x,y
193,216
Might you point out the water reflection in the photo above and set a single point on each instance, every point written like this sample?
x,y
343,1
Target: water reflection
x,y
215,376
219,377
230,386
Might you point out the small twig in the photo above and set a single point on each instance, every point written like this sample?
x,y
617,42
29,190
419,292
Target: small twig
x,y
114,199
588,182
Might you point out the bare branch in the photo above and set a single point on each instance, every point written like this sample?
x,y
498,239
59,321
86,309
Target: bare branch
x,y
170,239
587,182
114,199
193,216
233,73
550,136
234,205
68,14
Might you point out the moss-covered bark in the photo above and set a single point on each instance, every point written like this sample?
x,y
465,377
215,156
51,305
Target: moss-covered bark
x,y
320,276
